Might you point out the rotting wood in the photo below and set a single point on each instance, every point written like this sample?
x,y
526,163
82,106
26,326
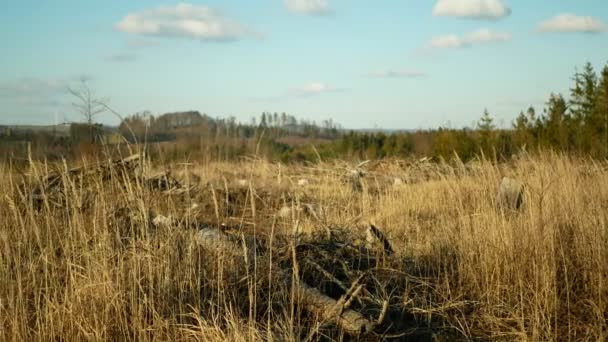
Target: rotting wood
x,y
55,178
312,300
51,188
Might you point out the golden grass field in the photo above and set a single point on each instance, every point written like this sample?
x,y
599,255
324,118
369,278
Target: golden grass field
x,y
93,267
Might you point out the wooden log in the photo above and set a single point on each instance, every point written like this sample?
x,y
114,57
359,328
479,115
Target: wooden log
x,y
330,310
311,299
130,159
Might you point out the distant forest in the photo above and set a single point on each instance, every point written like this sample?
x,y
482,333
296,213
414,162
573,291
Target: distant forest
x,y
575,123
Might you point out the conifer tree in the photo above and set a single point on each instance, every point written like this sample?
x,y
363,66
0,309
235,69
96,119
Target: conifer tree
x,y
601,111
486,130
486,123
556,122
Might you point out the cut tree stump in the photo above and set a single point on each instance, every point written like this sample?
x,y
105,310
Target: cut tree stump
x,y
510,194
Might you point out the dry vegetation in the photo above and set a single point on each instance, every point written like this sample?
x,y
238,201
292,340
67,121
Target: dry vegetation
x,y
111,257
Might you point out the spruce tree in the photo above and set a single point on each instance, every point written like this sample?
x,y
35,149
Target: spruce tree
x,y
521,126
486,129
486,123
556,122
601,111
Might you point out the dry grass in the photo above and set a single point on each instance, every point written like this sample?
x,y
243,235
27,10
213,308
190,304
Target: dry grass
x,y
97,270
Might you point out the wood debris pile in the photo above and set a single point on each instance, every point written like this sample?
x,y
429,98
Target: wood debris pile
x,y
52,187
350,283
346,281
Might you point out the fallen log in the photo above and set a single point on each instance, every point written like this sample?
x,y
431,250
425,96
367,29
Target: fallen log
x,y
331,310
311,299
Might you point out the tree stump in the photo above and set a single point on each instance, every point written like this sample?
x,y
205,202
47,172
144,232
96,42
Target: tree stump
x,y
510,194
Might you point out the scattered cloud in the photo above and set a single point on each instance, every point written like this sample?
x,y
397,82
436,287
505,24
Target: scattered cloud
x,y
478,37
33,91
451,41
474,9
308,7
120,57
31,87
397,74
568,22
312,89
183,21
487,36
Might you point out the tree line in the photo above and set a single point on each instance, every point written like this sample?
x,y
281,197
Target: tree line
x,y
576,125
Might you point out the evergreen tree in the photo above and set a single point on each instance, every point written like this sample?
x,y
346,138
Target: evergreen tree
x,y
521,122
264,120
522,127
486,123
533,121
275,119
582,104
601,111
486,130
556,122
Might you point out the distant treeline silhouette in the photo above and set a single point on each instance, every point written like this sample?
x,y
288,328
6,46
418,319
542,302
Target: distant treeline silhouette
x,y
576,124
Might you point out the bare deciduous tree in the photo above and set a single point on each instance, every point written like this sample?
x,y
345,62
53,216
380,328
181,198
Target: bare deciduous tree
x,y
86,104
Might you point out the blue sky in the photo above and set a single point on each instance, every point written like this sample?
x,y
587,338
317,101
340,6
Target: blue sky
x,y
385,63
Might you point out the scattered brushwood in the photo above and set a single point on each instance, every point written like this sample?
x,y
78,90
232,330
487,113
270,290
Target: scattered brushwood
x,y
344,281
297,210
338,282
164,181
374,235
228,200
344,284
390,173
354,176
373,282
57,185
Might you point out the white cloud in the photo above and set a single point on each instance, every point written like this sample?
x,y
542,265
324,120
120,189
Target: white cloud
x,y
310,7
572,23
451,41
487,36
483,36
476,9
397,74
313,88
183,20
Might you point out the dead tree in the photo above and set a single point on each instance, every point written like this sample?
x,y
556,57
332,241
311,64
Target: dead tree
x,y
86,104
